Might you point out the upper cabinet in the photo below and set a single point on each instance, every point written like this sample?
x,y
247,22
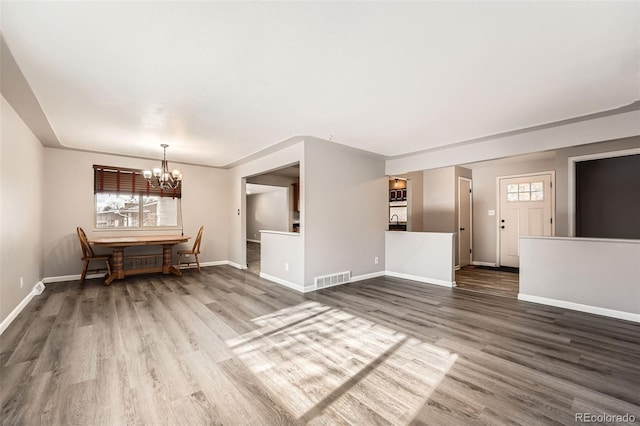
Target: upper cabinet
x,y
398,194
296,197
397,190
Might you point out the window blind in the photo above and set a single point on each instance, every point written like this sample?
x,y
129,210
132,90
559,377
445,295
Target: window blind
x,y
120,180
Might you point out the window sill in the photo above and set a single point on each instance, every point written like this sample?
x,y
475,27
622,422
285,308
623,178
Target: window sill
x,y
146,229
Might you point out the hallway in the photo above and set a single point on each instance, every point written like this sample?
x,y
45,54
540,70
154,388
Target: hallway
x,y
488,281
253,257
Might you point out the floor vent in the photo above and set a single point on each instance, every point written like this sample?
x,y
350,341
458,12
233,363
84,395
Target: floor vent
x,y
333,279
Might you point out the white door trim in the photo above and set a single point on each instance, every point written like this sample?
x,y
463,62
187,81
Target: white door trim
x,y
498,213
571,179
460,178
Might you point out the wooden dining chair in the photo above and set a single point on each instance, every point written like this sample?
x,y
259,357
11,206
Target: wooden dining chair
x,y
194,251
88,256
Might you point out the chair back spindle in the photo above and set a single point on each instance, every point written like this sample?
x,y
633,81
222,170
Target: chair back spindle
x,y
195,251
87,251
196,243
88,256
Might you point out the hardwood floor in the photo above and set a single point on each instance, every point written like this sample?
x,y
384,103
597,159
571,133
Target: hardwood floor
x,y
226,347
497,283
253,257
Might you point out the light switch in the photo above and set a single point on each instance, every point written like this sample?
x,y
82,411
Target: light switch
x,y
492,212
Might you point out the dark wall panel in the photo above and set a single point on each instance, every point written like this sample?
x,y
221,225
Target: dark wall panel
x,y
608,197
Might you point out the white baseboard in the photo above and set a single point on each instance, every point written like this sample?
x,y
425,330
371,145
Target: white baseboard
x,y
75,277
193,265
421,279
289,284
363,277
475,262
36,291
628,316
235,265
254,241
456,268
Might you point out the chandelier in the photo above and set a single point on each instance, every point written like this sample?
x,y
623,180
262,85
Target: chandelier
x,y
162,177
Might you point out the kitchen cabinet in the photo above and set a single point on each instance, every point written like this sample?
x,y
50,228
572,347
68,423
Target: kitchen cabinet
x,y
296,197
398,194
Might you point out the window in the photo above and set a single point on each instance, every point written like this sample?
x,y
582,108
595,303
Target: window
x,y
531,191
124,199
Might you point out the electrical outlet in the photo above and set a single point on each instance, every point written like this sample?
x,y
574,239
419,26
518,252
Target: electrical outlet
x,y
376,260
286,267
21,282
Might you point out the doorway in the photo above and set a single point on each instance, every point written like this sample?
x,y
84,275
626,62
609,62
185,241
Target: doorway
x,y
271,203
526,208
465,221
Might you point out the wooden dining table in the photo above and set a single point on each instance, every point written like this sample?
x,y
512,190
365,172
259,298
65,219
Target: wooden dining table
x,y
118,244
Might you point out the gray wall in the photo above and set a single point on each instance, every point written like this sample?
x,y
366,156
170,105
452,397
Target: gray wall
x,y
21,209
236,215
276,180
541,138
345,205
267,211
439,195
485,230
205,201
592,275
440,200
561,166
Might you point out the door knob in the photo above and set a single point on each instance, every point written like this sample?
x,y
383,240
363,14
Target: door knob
x,y
462,229
502,227
502,221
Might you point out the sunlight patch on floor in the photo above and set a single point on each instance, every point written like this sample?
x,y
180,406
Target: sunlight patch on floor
x,y
326,365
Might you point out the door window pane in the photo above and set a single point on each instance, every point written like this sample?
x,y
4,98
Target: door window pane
x,y
530,191
536,186
537,196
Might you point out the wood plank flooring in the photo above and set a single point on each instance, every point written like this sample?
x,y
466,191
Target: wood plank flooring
x,y
497,283
253,257
226,347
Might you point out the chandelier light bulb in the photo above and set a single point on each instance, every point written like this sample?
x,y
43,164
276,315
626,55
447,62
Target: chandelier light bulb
x,y
162,177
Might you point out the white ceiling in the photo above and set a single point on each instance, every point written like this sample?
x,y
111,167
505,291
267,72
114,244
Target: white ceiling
x,y
219,81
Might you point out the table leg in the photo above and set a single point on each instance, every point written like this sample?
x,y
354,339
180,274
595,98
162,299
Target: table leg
x,y
167,267
117,273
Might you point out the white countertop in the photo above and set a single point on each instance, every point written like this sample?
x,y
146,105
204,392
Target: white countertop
x,y
296,234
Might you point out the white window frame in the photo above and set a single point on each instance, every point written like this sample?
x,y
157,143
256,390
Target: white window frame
x,y
178,226
571,181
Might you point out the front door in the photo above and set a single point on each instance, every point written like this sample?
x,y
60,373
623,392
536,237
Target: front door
x,y
464,221
525,210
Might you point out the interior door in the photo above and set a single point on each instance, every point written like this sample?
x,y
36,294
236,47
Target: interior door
x,y
464,221
525,210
